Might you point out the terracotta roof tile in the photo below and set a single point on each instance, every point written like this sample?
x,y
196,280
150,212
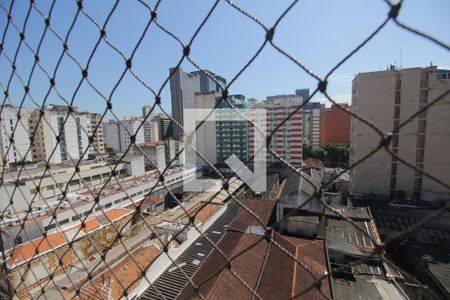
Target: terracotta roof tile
x,y
91,224
122,277
312,163
260,207
27,250
282,277
114,214
203,211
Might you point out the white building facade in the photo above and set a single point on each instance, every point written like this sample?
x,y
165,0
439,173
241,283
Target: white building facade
x,y
73,139
117,134
19,150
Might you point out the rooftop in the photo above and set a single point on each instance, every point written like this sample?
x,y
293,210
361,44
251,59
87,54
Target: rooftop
x,y
40,246
122,277
202,211
312,163
256,261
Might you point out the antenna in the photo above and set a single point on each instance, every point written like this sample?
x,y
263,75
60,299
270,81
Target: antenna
x,y
401,59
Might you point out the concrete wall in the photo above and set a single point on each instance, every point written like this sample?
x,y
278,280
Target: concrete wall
x,y
375,98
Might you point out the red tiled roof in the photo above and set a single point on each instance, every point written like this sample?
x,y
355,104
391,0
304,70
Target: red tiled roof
x,y
124,276
202,211
253,259
27,250
114,214
312,163
260,207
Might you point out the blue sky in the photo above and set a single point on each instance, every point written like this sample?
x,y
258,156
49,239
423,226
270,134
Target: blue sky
x,y
317,32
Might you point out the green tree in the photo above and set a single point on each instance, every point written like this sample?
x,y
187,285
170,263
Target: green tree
x,y
337,154
320,154
308,151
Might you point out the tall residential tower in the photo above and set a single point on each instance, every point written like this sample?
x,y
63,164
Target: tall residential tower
x,y
387,99
183,87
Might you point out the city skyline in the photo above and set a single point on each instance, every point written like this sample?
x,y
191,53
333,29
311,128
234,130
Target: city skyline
x,y
125,174
271,73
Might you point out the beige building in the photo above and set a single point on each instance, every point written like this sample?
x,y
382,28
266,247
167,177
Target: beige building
x,y
13,128
287,141
73,140
206,134
93,123
386,99
154,154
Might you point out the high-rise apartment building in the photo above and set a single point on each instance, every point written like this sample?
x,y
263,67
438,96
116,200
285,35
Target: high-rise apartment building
x,y
311,122
14,148
183,87
151,125
386,99
231,135
206,134
335,125
72,135
287,141
164,126
299,93
207,84
94,128
118,133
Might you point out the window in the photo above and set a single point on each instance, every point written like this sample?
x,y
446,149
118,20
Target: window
x,y
395,141
420,141
62,222
75,182
420,155
397,98
423,96
108,205
417,183
443,75
396,112
393,169
49,227
393,182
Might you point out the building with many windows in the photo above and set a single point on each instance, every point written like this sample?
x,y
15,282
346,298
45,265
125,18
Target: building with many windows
x,y
311,122
387,99
151,125
94,129
57,123
118,134
165,126
183,87
287,141
14,135
231,135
